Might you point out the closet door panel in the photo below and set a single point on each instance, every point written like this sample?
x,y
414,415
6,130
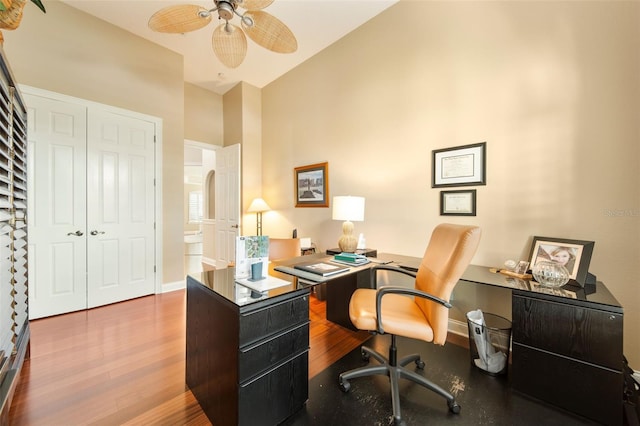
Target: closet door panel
x,y
57,218
121,207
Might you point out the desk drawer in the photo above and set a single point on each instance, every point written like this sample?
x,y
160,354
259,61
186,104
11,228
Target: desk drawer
x,y
582,388
585,334
265,355
273,319
271,398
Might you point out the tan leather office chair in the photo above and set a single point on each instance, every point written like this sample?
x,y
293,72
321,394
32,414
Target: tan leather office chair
x,y
419,313
284,248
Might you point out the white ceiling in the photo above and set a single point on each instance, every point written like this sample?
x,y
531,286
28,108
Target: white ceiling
x,y
315,23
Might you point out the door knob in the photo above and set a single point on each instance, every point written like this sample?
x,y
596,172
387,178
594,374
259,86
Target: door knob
x,y
235,226
76,234
94,232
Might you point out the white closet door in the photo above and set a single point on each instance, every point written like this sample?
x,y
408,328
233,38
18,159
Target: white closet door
x,y
120,207
57,238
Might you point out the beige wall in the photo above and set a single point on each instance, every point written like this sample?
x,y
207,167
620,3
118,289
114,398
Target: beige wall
x,y
202,115
243,124
552,87
72,53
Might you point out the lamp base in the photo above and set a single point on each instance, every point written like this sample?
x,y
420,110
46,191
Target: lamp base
x,y
347,242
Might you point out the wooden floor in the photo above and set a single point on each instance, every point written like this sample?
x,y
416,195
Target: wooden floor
x,y
124,364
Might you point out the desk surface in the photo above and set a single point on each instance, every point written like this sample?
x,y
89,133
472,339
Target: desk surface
x,y
594,295
222,281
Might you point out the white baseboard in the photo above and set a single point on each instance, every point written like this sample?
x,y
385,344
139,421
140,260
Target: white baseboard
x,y
458,327
176,285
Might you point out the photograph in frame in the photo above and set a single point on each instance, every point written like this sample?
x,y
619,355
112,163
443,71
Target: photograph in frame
x,y
575,255
459,166
312,185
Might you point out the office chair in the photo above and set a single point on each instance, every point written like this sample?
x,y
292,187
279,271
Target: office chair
x,y
284,248
419,313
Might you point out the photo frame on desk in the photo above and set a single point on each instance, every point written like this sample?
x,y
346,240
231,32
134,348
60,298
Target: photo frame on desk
x,y
458,203
459,166
575,255
311,184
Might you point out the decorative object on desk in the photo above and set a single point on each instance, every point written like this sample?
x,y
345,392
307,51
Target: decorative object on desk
x,y
362,242
257,206
256,271
349,209
460,166
511,273
321,268
249,250
550,273
574,255
312,185
458,203
510,265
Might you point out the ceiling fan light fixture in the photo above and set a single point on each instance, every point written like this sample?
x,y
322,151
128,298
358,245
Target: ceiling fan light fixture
x,y
225,10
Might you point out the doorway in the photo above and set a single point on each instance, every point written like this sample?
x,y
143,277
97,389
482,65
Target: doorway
x,y
199,202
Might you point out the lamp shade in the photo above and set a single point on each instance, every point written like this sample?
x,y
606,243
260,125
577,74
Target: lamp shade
x,y
258,205
349,208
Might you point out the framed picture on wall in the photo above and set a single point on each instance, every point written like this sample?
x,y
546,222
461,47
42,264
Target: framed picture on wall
x,y
312,185
458,203
575,255
460,166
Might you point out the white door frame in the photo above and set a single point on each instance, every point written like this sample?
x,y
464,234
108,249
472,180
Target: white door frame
x,y
158,161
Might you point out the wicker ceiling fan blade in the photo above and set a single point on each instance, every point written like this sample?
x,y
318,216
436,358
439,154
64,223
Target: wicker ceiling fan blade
x,y
229,44
269,32
179,19
254,4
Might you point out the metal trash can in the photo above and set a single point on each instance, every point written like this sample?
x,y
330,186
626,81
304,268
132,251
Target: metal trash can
x,y
489,342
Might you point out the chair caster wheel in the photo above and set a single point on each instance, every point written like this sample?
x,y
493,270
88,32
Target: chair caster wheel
x,y
420,364
454,407
365,356
344,386
399,422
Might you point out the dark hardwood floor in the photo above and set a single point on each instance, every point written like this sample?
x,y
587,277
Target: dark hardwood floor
x,y
123,364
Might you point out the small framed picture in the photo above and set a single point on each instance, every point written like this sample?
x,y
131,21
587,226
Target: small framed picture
x,y
575,255
460,166
458,203
312,185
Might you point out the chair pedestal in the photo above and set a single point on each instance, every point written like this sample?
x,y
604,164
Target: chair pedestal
x,y
395,370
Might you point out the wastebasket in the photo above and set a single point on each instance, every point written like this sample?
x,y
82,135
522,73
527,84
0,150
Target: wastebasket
x,y
489,342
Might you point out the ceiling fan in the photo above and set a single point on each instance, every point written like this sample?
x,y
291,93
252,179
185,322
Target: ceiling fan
x,y
228,40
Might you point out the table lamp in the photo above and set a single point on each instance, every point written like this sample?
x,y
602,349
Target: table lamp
x,y
349,209
257,206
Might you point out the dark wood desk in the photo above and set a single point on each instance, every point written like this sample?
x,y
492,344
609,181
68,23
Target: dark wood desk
x,y
247,360
566,349
567,344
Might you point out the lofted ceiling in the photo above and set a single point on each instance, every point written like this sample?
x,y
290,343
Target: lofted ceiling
x,y
315,23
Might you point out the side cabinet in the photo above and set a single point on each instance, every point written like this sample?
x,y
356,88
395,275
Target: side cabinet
x,y
14,315
569,353
247,365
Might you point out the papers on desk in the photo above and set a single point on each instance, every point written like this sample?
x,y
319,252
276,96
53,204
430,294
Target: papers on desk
x,y
266,284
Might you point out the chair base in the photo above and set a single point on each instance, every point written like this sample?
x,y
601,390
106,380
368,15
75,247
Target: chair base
x,y
395,370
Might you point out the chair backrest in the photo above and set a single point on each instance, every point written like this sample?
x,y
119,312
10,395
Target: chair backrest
x,y
284,248
447,256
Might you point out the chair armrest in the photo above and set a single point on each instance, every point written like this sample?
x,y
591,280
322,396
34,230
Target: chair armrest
x,y
408,291
398,269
